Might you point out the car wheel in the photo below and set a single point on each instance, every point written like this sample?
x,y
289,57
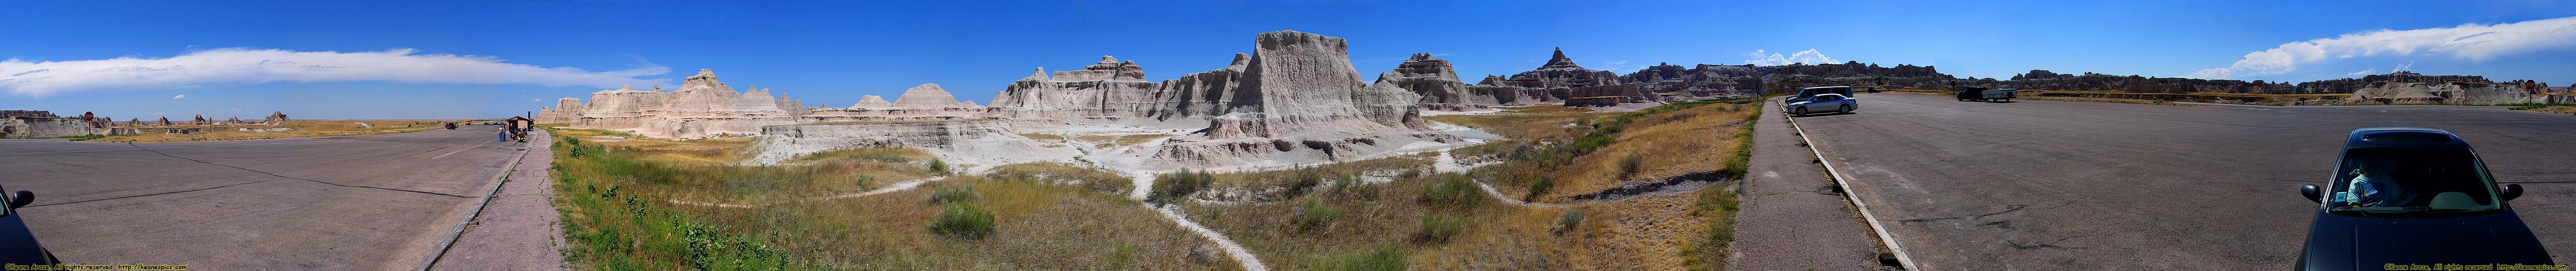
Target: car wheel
x,y
1846,109
1802,110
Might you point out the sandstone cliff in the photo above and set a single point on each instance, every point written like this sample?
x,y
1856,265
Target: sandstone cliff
x,y
924,102
1103,92
1297,98
702,107
1437,83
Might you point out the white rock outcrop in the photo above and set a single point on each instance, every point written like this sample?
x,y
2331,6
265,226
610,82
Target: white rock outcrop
x,y
702,107
1437,83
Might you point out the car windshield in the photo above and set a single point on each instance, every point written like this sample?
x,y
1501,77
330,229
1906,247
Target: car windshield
x,y
2411,180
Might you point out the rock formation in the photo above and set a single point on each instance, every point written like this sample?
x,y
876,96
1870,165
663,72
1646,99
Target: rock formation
x,y
1295,99
1298,98
275,118
872,101
702,107
43,124
566,110
924,102
1437,83
2451,92
1703,80
1108,91
1561,79
925,96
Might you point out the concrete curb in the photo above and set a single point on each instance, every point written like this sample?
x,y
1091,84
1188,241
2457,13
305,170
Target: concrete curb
x,y
1839,180
459,233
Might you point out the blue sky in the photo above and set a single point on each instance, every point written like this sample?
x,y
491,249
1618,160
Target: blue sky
x,y
451,60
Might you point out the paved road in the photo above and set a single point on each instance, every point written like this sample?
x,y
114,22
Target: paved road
x,y
2050,185
384,202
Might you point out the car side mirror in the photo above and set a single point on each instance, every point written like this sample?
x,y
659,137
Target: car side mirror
x,y
2512,191
23,198
2312,192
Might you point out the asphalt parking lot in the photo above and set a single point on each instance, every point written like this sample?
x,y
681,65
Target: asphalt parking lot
x,y
2055,185
340,203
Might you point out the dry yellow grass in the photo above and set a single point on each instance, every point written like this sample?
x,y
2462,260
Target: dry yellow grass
x,y
303,128
614,203
1097,180
699,151
1673,143
1542,121
1649,232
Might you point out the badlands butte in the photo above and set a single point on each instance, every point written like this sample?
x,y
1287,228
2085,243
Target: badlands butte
x,y
1296,99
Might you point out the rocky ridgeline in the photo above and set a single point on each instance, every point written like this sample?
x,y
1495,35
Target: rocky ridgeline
x,y
702,107
705,107
923,102
1437,83
1106,92
1295,98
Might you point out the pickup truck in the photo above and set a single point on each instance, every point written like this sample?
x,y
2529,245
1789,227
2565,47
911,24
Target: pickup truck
x,y
1983,94
1839,99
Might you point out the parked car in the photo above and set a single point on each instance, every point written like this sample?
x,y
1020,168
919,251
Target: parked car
x,y
2413,196
1805,93
18,245
1984,94
1836,102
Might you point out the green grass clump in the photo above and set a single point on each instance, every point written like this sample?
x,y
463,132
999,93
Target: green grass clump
x,y
1439,228
1316,215
1306,180
1539,188
1453,190
1628,166
1177,185
1381,258
963,221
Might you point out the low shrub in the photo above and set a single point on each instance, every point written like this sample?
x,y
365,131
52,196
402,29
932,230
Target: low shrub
x,y
962,221
1381,258
1177,185
1316,215
1452,190
1540,188
1572,218
1439,228
1305,181
1630,165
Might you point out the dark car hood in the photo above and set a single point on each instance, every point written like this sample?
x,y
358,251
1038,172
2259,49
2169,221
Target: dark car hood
x,y
2337,242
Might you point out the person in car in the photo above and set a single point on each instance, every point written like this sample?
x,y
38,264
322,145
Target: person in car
x,y
2363,191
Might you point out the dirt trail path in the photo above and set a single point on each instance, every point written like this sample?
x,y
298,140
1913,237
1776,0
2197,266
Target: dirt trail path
x,y
906,185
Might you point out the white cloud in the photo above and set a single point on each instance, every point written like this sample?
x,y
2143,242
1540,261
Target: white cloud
x,y
1810,56
2410,65
243,65
181,96
2471,42
2362,72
